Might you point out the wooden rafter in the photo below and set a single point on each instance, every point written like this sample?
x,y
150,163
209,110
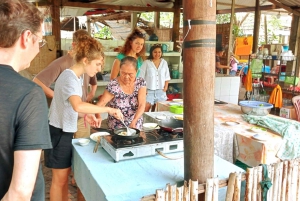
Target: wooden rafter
x,y
114,7
295,12
248,9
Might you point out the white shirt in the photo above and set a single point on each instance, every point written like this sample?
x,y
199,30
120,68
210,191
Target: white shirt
x,y
155,77
62,114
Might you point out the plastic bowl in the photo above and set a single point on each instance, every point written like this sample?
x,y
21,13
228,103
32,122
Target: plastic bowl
x,y
83,141
256,108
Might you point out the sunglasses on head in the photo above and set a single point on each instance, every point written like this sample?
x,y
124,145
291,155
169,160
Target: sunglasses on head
x,y
156,45
140,34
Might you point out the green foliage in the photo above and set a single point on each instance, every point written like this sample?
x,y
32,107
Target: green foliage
x,y
103,33
223,18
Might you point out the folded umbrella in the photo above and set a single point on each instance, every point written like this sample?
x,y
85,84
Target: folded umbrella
x,y
276,97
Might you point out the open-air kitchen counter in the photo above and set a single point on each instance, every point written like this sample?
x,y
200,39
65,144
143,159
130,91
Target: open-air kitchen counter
x,y
99,178
250,151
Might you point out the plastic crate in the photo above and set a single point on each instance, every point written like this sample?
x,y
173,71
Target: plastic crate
x,y
176,109
173,96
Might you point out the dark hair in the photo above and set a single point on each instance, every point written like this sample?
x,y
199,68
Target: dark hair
x,y
153,47
130,60
137,33
87,47
220,49
17,16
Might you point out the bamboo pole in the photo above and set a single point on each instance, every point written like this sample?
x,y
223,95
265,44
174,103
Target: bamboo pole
x,y
230,187
289,182
271,176
294,179
275,183
298,181
254,185
186,192
160,195
209,189
284,180
179,193
172,192
194,190
259,179
216,189
237,187
249,184
280,180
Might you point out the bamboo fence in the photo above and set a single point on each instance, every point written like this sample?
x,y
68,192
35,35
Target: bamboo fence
x,y
284,176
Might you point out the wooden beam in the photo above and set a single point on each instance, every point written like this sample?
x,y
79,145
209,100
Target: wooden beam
x,y
285,7
56,23
256,26
112,16
248,9
228,4
114,7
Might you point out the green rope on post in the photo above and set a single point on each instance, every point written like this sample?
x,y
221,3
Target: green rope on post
x,y
265,183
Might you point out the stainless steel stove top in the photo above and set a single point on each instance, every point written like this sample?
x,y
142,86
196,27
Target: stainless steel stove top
x,y
146,145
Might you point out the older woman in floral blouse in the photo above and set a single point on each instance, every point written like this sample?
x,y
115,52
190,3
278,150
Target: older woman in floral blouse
x,y
127,93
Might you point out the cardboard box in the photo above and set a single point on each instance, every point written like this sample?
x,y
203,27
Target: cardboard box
x,y
288,112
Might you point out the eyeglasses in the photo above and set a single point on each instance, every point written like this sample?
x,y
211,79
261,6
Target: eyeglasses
x,y
123,74
42,42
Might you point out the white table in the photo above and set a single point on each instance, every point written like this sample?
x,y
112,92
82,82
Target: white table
x,y
99,178
224,140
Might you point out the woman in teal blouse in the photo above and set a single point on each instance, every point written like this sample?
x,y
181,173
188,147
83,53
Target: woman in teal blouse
x,y
134,46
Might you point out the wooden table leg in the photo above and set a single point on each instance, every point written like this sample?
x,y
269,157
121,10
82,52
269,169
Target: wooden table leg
x,y
79,195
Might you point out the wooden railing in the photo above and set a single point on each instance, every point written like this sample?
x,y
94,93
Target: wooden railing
x,y
284,177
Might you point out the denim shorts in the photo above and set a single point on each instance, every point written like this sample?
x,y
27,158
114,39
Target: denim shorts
x,y
154,96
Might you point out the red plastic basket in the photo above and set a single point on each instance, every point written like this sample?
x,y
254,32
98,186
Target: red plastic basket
x,y
173,96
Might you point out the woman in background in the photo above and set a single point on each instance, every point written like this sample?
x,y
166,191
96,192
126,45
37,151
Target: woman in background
x,y
134,46
155,71
127,93
219,67
65,108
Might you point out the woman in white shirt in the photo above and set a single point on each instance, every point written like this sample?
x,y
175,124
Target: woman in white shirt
x,y
155,71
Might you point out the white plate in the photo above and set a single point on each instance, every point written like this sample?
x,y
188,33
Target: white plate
x,y
160,117
178,117
260,137
150,126
94,136
258,129
232,123
177,100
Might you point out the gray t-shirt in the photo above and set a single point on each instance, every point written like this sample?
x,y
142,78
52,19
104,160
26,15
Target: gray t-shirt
x,y
62,114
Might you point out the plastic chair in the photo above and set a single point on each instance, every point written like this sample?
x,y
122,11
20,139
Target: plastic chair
x,y
296,103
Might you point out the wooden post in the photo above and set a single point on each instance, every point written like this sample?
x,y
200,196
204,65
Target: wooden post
x,y
156,20
176,23
294,42
266,30
230,43
198,87
56,23
256,26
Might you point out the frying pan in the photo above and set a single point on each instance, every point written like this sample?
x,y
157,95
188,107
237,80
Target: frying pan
x,y
170,124
124,129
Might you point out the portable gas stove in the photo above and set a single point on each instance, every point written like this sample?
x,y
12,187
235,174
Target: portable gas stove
x,y
147,144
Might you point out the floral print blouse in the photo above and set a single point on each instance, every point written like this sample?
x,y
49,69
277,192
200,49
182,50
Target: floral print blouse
x,y
127,103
